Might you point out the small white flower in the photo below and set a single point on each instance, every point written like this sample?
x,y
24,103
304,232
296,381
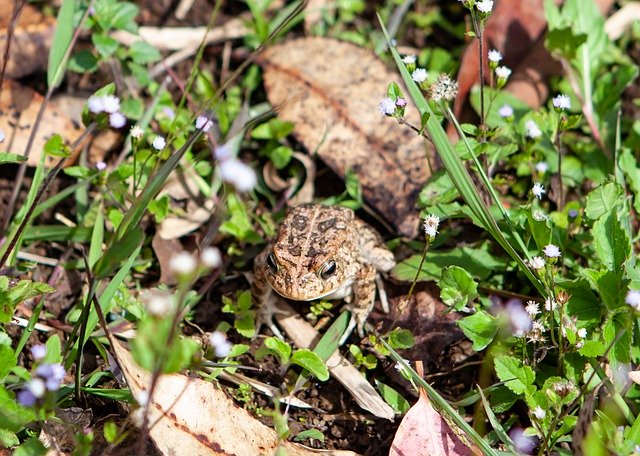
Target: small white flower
x,y
110,104
136,132
582,333
537,326
387,107
37,387
221,346
223,152
539,413
537,263
101,166
562,102
409,59
142,397
159,143
519,334
399,367
540,216
158,303
182,263
505,111
419,75
431,223
532,308
484,6
211,257
538,190
532,129
550,304
202,123
542,167
503,72
241,175
633,299
117,120
494,55
94,104
552,251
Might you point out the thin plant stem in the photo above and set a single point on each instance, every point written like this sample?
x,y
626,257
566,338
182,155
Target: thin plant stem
x,y
558,144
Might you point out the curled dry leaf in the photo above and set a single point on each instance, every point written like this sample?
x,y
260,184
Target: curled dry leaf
x,y
19,106
31,40
423,432
277,184
331,90
191,416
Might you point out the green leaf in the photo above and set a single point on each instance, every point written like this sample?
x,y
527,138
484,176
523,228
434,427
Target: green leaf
x,y
279,348
111,431
399,404
30,447
83,62
607,284
11,158
115,255
8,439
54,350
457,287
480,328
518,377
311,434
105,45
603,200
476,261
394,92
272,129
311,362
280,156
12,295
611,242
143,53
564,42
132,108
56,147
7,361
61,41
401,339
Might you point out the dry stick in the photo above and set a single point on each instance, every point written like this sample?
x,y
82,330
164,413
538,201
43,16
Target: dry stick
x,y
41,191
17,10
23,166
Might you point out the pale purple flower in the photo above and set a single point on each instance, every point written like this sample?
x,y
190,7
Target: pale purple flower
x,y
401,102
518,316
387,107
159,143
38,352
562,102
26,398
52,374
170,113
539,413
633,299
542,167
117,120
242,176
94,104
110,104
505,111
221,346
552,251
523,443
204,124
101,166
223,152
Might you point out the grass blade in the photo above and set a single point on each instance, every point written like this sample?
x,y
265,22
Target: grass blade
x,y
58,54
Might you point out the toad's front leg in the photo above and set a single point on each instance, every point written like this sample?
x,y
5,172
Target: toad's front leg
x,y
364,294
263,297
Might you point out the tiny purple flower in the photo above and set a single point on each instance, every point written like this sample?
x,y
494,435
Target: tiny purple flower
x,y
101,166
401,102
117,120
26,398
387,107
505,111
94,104
170,113
202,123
562,102
38,352
110,104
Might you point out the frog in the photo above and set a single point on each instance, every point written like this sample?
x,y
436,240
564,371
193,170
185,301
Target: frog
x,y
322,252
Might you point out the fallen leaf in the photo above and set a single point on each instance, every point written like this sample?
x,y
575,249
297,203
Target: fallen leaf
x,y
330,90
191,416
31,40
19,106
423,432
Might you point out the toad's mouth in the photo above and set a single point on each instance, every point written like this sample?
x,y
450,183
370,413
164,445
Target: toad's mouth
x,y
312,295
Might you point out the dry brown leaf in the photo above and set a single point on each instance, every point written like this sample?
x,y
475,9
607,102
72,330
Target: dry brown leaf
x,y
423,432
331,90
19,106
30,42
278,184
621,20
303,335
59,434
190,416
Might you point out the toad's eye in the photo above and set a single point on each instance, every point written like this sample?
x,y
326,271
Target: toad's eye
x,y
272,263
327,269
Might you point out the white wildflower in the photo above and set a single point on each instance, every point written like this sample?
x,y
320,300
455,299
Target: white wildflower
x,y
552,251
159,143
532,130
538,190
419,75
211,257
562,102
182,263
